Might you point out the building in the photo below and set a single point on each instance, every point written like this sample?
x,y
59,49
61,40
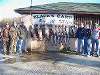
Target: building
x,y
80,11
61,14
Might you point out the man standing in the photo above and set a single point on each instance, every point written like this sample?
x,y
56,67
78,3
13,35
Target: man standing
x,y
80,36
36,31
21,43
51,36
1,41
95,40
43,31
6,39
13,34
56,35
87,40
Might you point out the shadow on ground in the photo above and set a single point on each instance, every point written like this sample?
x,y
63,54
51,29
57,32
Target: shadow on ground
x,y
56,57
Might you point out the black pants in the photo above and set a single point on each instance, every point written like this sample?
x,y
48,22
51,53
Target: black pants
x,y
7,47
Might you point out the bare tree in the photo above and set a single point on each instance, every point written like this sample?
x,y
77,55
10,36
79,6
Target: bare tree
x,y
6,20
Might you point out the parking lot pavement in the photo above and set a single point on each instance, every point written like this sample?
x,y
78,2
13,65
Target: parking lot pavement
x,y
50,64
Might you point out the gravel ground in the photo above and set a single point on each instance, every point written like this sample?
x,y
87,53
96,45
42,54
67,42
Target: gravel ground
x,y
49,64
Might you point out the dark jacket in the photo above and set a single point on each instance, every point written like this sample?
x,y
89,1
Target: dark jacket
x,y
87,33
80,33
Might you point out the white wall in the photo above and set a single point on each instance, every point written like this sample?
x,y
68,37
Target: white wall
x,y
27,19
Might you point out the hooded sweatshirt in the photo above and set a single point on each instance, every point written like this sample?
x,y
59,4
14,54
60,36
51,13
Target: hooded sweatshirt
x,y
96,33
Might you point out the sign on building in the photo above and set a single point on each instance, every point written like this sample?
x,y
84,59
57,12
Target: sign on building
x,y
56,19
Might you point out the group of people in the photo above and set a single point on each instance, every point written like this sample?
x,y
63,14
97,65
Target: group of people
x,y
88,39
55,35
13,39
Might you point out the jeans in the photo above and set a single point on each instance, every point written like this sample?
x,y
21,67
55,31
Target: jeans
x,y
52,39
81,45
21,45
6,47
87,47
59,39
56,39
95,42
1,46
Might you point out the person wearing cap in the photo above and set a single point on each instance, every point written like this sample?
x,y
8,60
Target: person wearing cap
x,y
95,40
6,39
21,42
13,34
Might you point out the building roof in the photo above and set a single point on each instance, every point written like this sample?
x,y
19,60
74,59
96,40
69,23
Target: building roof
x,y
62,7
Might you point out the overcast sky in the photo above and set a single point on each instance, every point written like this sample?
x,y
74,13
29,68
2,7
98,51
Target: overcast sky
x,y
7,6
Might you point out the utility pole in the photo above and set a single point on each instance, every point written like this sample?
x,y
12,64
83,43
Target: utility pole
x,y
31,11
31,2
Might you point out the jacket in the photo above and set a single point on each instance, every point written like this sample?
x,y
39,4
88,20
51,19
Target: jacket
x,y
96,33
80,33
87,33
